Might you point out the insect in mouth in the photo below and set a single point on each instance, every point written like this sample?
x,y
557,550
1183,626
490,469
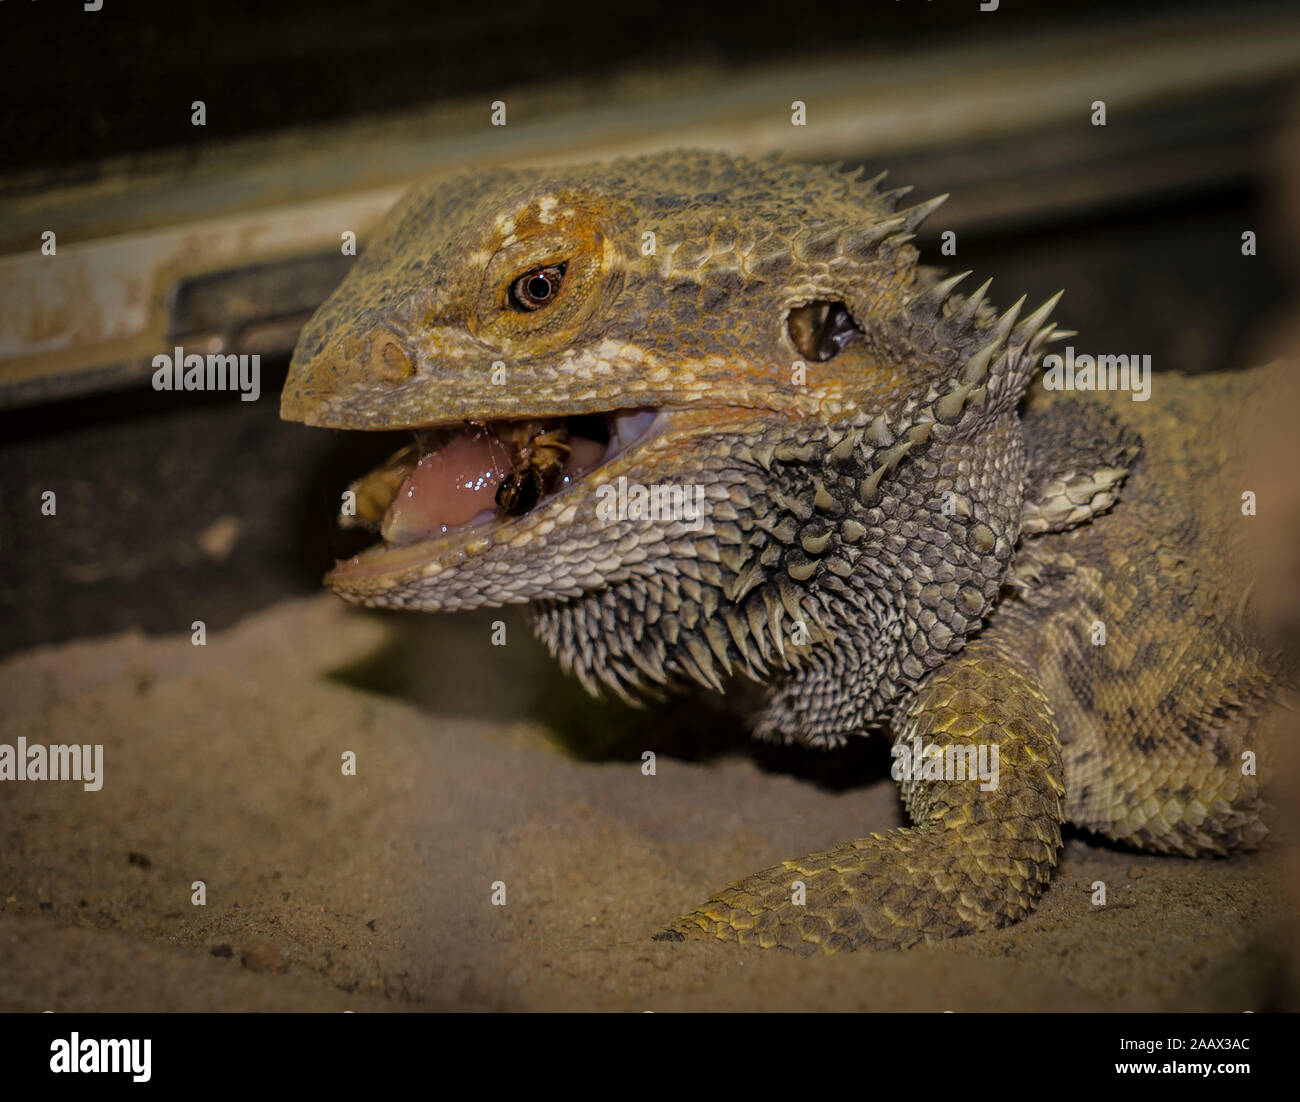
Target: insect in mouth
x,y
539,457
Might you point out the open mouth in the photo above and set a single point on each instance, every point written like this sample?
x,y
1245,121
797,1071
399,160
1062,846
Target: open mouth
x,y
454,478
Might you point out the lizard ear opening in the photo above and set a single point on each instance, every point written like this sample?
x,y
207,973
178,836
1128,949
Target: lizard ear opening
x,y
820,330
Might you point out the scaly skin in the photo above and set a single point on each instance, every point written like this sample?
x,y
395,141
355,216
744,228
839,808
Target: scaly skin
x,y
895,538
966,865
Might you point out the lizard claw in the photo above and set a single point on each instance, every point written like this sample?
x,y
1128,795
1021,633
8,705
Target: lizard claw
x,y
688,927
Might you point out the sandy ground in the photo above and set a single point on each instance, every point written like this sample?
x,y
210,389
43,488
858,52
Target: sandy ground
x,y
373,892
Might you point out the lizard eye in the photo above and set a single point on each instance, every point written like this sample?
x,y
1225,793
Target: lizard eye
x,y
538,288
545,281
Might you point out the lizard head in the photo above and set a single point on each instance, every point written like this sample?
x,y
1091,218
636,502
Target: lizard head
x,y
684,405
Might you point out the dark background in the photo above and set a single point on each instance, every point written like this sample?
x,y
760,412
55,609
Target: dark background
x,y
76,88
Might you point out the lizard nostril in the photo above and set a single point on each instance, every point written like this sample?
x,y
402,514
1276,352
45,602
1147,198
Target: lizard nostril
x,y
390,362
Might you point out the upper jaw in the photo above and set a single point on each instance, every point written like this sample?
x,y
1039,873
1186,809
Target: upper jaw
x,y
383,379
430,407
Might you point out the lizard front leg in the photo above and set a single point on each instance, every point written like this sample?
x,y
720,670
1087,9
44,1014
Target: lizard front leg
x,y
973,859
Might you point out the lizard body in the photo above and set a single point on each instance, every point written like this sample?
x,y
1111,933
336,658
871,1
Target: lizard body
x,y
892,536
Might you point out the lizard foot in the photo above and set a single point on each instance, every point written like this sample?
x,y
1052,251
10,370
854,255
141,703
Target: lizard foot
x,y
980,852
885,891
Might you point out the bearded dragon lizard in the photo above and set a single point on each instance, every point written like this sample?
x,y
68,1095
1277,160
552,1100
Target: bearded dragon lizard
x,y
898,532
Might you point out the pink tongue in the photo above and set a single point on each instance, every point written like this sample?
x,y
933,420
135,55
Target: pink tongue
x,y
449,487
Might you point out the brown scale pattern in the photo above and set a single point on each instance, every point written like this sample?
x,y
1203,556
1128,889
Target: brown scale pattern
x,y
974,860
1155,720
